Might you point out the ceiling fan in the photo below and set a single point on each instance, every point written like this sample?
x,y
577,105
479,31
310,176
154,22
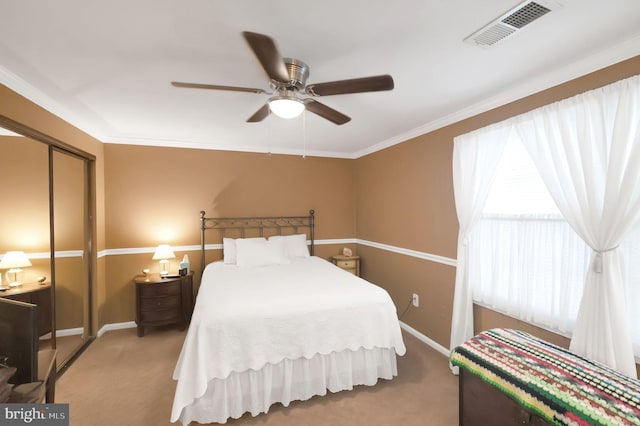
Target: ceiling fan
x,y
288,78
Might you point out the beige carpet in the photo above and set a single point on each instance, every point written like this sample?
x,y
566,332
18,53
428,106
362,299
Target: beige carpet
x,y
122,379
66,346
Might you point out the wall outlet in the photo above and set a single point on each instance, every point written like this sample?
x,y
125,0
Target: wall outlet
x,y
415,300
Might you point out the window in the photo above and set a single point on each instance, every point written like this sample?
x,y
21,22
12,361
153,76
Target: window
x,y
527,262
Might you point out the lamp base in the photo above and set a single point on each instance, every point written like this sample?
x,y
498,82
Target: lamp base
x,y
164,273
15,284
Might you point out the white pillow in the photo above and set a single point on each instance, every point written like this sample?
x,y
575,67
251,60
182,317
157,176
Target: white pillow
x,y
229,248
260,253
295,246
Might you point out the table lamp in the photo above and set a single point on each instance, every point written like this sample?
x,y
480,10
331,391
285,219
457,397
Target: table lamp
x,y
14,261
163,254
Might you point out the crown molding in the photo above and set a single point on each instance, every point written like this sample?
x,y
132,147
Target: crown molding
x,y
195,144
602,59
28,91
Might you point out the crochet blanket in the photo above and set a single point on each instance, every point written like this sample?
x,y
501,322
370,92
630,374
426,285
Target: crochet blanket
x,y
554,383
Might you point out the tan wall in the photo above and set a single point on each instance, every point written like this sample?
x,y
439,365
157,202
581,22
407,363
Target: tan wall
x,y
154,195
404,197
24,195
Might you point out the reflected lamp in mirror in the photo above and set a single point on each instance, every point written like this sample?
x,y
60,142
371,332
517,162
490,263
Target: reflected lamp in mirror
x,y
163,254
14,261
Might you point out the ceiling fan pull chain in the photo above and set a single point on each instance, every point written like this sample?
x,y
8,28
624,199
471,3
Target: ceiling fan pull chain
x,y
304,135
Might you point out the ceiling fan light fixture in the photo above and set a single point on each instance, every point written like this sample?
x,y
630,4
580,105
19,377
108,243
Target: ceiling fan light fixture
x,y
286,106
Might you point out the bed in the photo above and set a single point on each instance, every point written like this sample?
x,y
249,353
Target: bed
x,y
273,323
510,377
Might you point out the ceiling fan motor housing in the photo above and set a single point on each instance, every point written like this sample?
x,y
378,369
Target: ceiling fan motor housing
x,y
298,73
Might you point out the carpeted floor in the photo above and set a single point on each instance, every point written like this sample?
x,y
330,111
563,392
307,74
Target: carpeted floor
x,y
122,379
66,346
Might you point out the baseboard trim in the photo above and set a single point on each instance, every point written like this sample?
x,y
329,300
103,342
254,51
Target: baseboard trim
x,y
116,326
64,332
424,339
70,332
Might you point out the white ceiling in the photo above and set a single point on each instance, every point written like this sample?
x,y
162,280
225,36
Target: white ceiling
x,y
106,66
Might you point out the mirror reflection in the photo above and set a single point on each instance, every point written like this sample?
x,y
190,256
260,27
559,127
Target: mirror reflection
x,y
24,225
27,212
71,276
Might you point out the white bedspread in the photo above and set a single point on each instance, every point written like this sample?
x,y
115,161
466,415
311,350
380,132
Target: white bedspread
x,y
245,318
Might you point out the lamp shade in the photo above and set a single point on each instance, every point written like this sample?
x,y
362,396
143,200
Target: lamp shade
x,y
14,260
163,252
286,106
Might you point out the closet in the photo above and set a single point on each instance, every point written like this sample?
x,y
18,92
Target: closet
x,y
46,211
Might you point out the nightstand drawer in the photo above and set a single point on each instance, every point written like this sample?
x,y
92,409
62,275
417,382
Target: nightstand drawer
x,y
347,264
166,315
158,303
156,290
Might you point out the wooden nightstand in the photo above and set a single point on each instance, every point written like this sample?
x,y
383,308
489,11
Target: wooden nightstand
x,y
162,301
348,263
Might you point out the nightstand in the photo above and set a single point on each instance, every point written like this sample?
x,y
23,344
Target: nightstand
x,y
162,301
348,263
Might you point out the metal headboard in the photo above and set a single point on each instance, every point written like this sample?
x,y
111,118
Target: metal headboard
x,y
257,225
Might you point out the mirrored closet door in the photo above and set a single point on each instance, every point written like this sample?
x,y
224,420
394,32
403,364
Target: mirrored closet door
x,y
70,213
46,214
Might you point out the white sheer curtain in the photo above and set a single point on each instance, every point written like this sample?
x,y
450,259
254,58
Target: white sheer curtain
x,y
530,267
475,158
587,150
525,260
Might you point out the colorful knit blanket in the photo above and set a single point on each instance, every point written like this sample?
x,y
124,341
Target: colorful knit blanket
x,y
557,385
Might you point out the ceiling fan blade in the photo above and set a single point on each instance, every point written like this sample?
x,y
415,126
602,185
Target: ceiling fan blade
x,y
267,53
259,115
216,87
325,112
356,85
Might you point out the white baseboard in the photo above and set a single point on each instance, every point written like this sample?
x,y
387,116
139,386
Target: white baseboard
x,y
424,339
69,332
116,326
64,332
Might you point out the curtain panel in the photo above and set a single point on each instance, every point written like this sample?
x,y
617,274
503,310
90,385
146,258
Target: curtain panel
x,y
475,158
587,151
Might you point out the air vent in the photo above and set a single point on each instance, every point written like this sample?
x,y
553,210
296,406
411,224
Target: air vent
x,y
510,22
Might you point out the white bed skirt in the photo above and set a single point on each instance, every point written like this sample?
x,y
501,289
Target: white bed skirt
x,y
290,380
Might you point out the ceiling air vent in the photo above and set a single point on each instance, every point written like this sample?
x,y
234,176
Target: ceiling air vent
x,y
511,22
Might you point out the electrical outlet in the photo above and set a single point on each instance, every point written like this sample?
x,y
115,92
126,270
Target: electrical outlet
x,y
415,300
